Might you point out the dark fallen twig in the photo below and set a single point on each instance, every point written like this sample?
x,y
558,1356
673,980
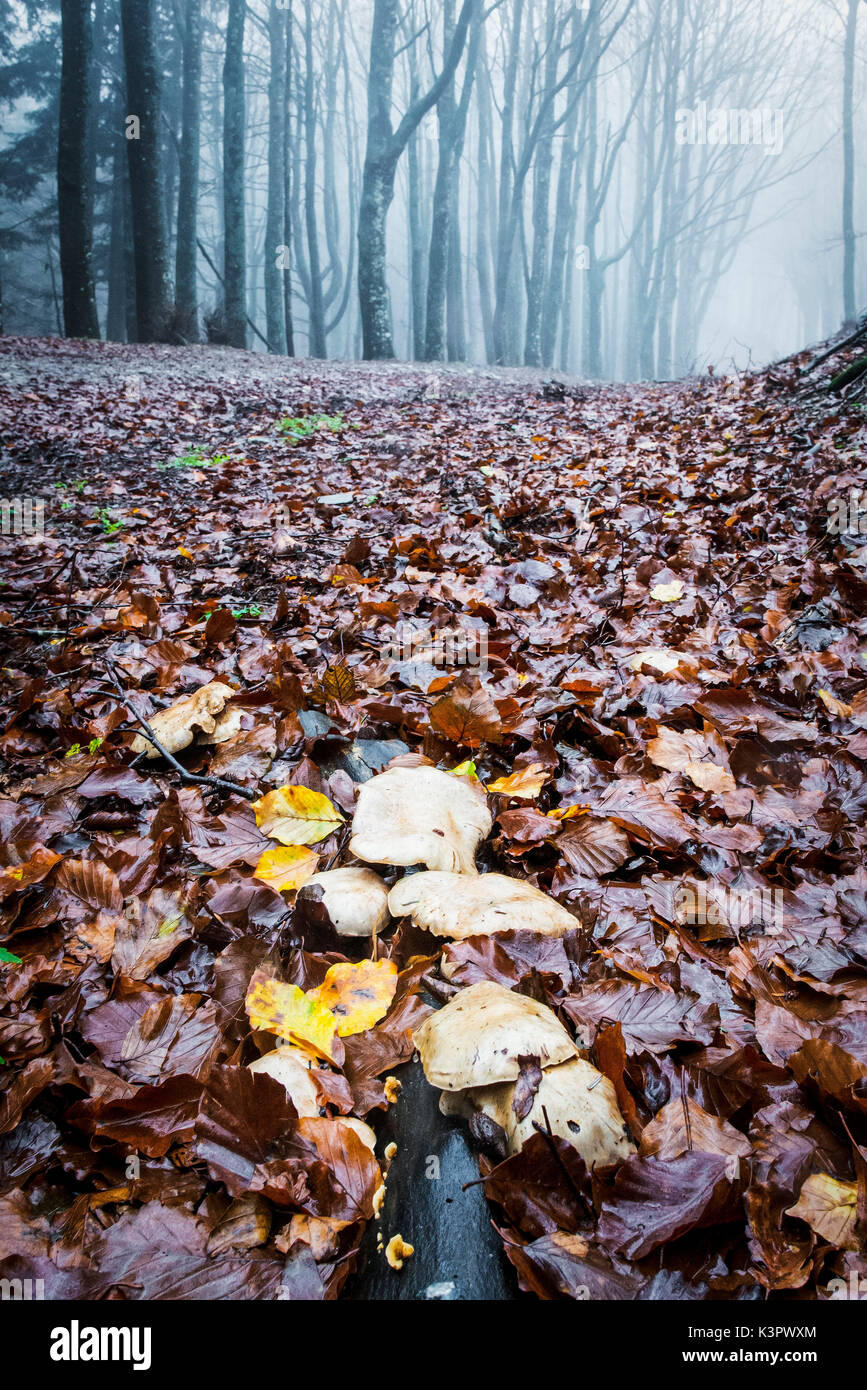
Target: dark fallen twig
x,y
835,348
219,783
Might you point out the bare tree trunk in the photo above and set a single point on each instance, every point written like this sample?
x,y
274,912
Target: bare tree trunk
x,y
275,320
234,130
315,307
74,186
115,323
506,222
416,233
554,306
384,149
287,193
541,216
442,272
455,318
186,252
849,305
486,208
145,171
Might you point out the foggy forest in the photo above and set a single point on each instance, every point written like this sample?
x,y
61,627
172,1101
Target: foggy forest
x,y
625,189
433,681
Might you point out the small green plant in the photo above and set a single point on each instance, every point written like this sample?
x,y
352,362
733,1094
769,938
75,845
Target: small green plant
x,y
107,521
252,611
195,458
299,427
93,747
7,958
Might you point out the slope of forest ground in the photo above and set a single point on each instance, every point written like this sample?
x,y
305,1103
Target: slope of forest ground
x,y
675,677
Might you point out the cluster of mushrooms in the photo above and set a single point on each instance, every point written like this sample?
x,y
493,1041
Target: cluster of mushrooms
x,y
475,1047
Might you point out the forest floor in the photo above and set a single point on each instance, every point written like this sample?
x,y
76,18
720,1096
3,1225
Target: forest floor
x,y
672,701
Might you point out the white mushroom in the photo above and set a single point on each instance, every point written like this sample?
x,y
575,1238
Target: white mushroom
x,y
356,900
579,1102
457,906
477,1039
176,727
420,815
291,1067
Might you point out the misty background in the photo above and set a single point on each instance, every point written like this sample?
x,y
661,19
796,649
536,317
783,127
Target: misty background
x,y
625,189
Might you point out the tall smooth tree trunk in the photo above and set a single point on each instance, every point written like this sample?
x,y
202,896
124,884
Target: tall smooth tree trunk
x,y
506,219
145,171
849,305
186,251
486,220
541,217
275,309
377,189
287,193
384,149
416,245
115,323
74,201
554,304
444,277
234,220
456,325
315,307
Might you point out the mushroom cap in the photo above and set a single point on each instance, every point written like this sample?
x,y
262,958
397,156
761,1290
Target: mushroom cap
x,y
477,1039
176,727
356,900
579,1102
420,815
458,906
291,1067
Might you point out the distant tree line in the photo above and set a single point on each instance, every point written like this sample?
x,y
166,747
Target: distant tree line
x,y
434,179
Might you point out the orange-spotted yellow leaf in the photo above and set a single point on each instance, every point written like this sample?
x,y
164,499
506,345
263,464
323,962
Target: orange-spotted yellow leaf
x,y
288,1012
296,816
526,782
357,995
287,868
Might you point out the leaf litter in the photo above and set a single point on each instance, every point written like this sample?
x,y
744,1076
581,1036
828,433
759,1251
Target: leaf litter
x,y
656,703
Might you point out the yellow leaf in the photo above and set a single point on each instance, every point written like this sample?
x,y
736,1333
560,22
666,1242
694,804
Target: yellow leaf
x,y
187,554
829,1208
357,995
296,816
526,782
833,705
668,593
288,1012
466,769
287,868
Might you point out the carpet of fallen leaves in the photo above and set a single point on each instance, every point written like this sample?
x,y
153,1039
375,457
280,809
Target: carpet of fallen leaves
x,y
675,668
